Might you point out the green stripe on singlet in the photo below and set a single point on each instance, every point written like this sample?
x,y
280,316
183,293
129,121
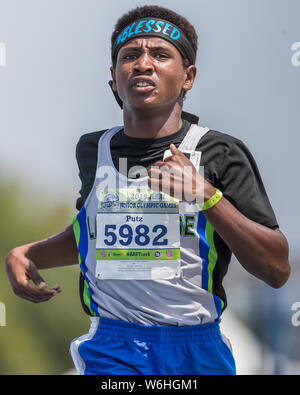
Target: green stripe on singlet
x,y
212,256
87,297
86,290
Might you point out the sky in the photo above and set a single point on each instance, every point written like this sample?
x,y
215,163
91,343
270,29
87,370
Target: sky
x,y
55,68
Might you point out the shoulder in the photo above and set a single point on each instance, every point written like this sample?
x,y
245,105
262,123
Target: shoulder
x,y
216,145
88,143
90,139
220,151
223,140
221,146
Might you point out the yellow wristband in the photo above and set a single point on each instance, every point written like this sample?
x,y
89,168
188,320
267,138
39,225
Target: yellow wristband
x,y
211,202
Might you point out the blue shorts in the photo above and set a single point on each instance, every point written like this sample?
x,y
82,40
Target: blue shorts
x,y
120,348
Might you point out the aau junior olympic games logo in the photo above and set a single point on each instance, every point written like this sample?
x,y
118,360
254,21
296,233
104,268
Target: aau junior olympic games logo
x,y
110,200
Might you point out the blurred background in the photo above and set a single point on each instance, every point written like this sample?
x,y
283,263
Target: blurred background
x,y
54,73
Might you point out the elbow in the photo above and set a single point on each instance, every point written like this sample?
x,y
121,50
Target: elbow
x,y
280,275
281,267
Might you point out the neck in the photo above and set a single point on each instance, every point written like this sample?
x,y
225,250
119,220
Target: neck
x,y
149,125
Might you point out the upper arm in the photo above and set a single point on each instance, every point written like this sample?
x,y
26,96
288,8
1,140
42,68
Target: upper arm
x,y
86,156
242,185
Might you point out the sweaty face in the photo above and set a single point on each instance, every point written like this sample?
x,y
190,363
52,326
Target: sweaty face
x,y
149,73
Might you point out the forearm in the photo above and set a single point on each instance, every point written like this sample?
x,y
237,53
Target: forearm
x,y
55,251
262,251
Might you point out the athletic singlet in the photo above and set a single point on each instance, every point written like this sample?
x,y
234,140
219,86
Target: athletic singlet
x,y
145,261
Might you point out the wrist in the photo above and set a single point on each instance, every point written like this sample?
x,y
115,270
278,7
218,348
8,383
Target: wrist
x,y
18,251
23,251
209,191
211,201
206,193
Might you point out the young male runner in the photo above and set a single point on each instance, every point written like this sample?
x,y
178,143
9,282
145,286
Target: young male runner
x,y
153,260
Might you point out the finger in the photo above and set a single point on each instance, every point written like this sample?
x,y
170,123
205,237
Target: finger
x,y
165,184
169,159
35,276
163,176
154,184
164,168
24,294
39,281
154,173
34,299
175,151
157,165
161,164
56,288
23,286
38,300
165,173
37,292
165,162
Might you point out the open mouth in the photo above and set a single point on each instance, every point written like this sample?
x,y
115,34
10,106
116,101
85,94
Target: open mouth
x,y
143,86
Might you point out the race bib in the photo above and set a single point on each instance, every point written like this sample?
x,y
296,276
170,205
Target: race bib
x,y
138,235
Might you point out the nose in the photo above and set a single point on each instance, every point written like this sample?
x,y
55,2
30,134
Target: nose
x,y
144,63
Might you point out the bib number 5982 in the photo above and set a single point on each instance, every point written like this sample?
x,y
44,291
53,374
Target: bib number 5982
x,y
126,234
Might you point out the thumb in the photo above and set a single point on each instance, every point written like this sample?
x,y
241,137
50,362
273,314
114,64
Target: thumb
x,y
174,150
35,276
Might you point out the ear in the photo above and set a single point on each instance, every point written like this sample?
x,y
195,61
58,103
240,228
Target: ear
x,y
190,75
113,76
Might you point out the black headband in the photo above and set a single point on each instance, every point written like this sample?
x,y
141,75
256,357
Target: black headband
x,y
157,28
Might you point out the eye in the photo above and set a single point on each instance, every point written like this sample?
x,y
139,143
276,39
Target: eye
x,y
160,56
130,56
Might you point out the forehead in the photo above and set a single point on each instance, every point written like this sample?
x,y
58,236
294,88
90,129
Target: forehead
x,y
150,43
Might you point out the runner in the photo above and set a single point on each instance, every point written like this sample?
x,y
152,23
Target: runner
x,y
154,232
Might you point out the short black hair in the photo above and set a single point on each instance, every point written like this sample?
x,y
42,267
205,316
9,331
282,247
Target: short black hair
x,y
157,12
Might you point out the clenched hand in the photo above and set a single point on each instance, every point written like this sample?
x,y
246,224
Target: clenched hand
x,y
177,177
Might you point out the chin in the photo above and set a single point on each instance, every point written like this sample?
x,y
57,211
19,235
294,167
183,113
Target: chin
x,y
149,104
145,104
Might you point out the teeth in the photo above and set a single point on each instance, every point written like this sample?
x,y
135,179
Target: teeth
x,y
142,84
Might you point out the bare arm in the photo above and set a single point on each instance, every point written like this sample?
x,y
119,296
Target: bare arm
x,y
55,251
262,251
24,262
